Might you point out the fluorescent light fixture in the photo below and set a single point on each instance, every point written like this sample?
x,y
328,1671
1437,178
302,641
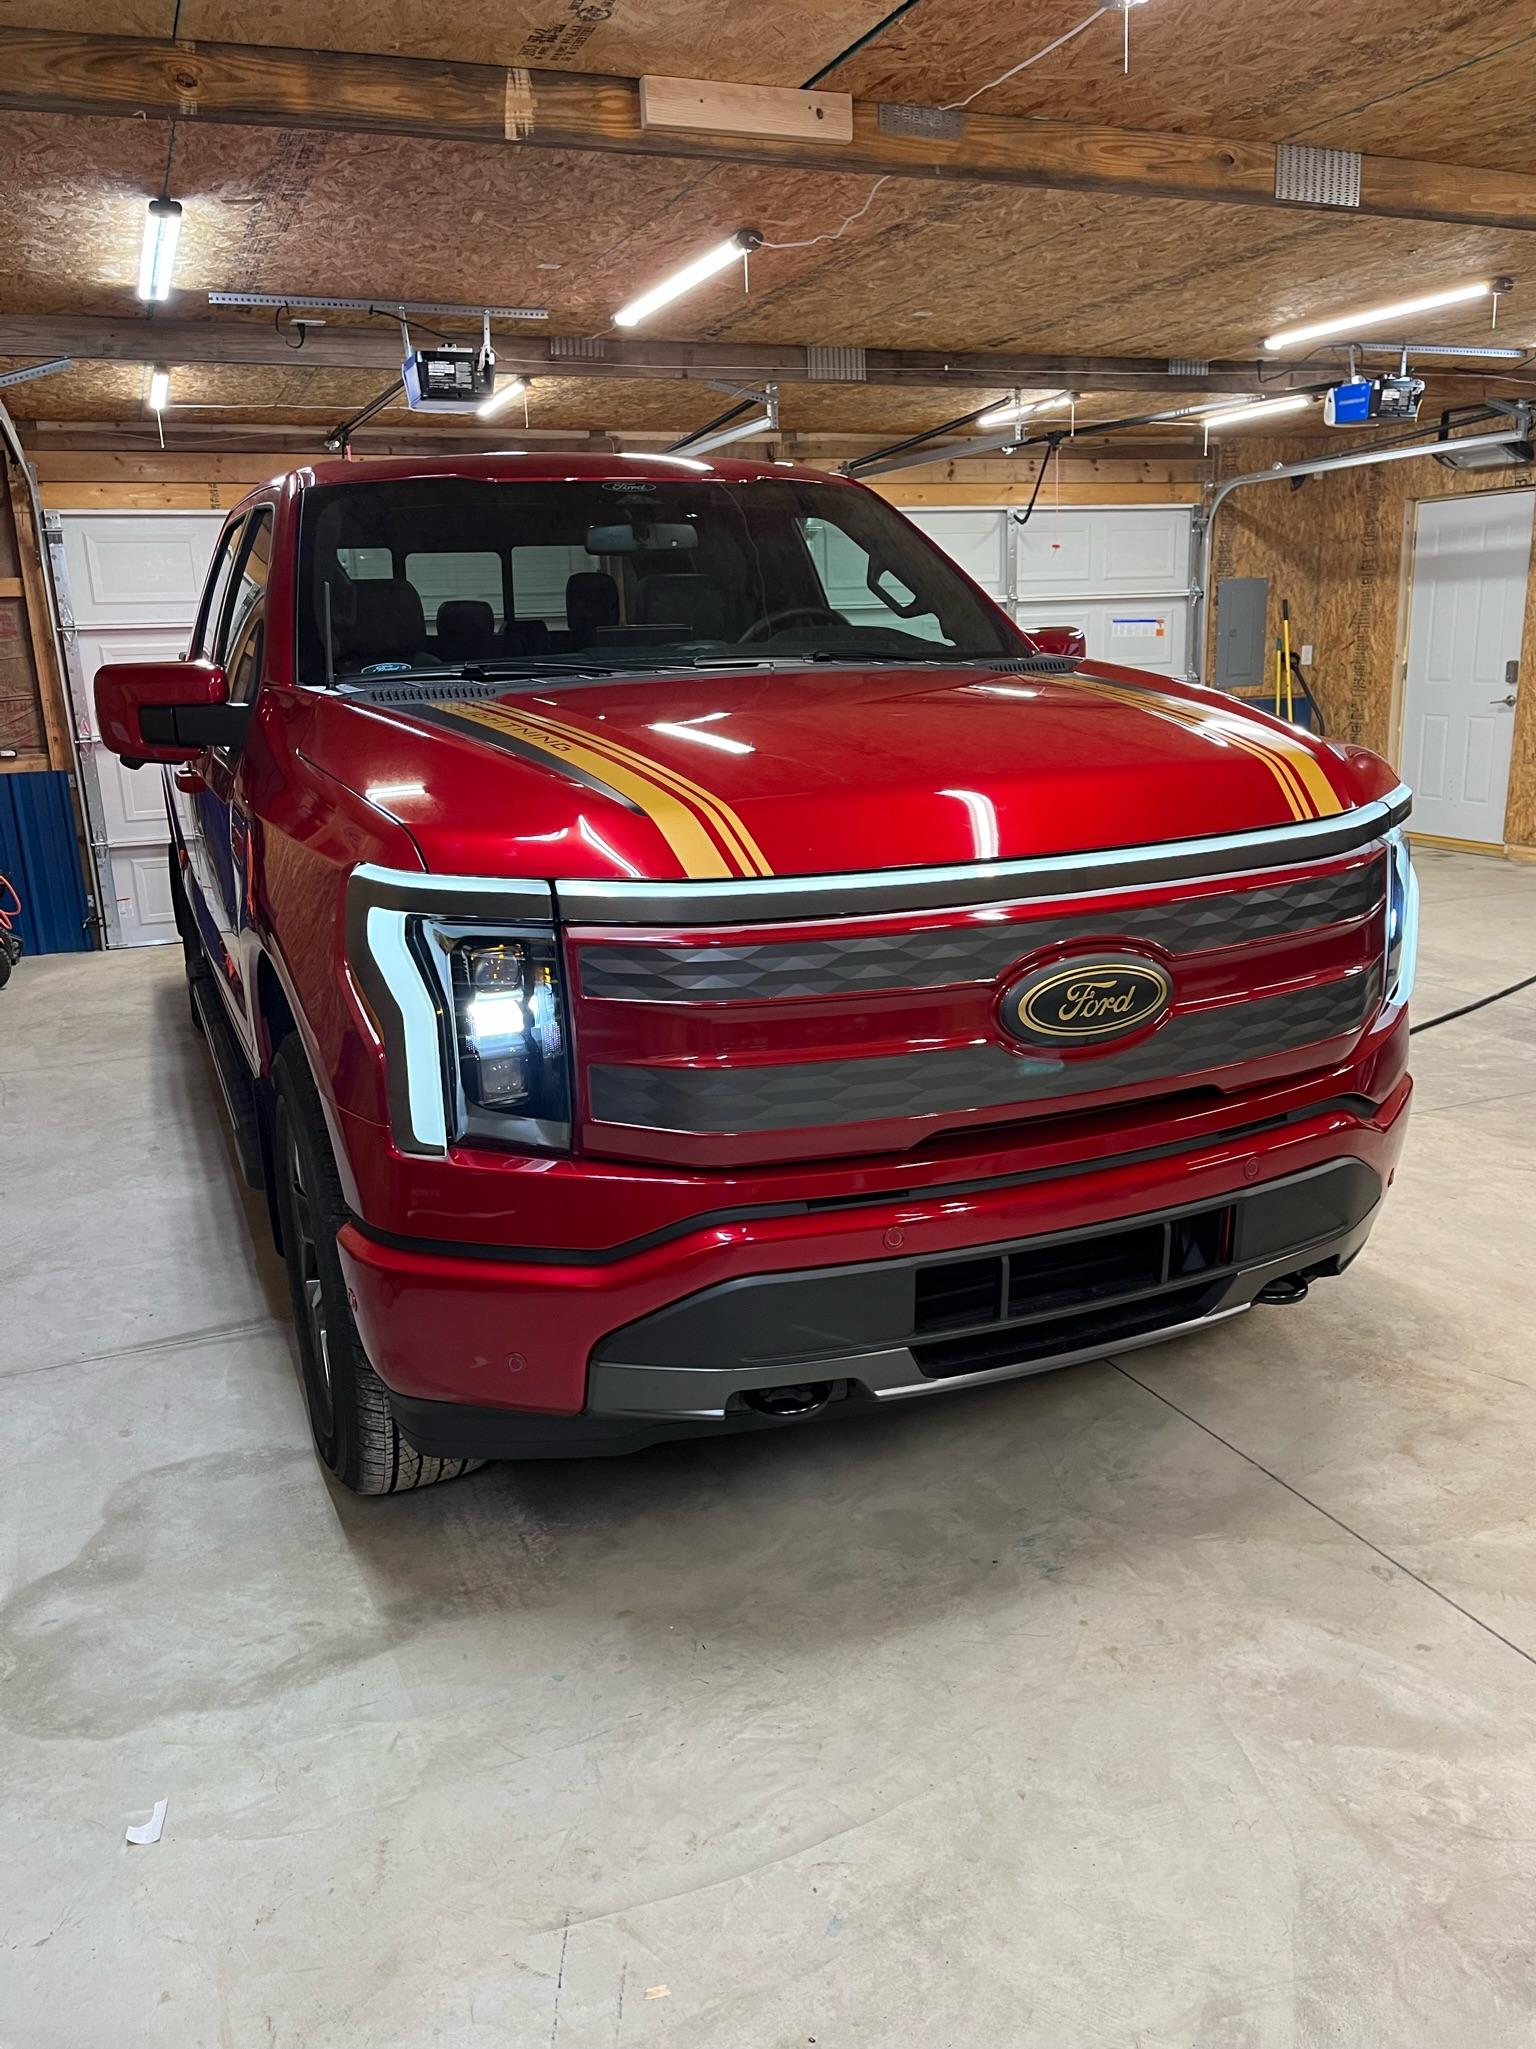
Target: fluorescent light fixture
x,y
508,389
1263,409
765,422
162,227
720,741
1375,316
709,265
1471,350
159,390
1022,409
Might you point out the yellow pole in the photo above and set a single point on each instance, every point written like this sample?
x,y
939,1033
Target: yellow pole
x,y
1279,684
1290,677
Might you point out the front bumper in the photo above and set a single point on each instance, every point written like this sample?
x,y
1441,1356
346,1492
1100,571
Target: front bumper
x,y
502,1358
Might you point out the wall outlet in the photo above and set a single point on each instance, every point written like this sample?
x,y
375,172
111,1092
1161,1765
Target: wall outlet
x,y
1306,654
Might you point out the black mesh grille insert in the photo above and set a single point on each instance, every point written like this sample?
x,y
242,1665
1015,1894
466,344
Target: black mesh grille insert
x,y
954,1296
1106,1326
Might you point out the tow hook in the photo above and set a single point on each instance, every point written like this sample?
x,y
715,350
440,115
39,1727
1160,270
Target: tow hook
x,y
804,1398
1287,1288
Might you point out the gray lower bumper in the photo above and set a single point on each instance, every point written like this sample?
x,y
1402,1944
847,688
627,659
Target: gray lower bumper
x,y
706,1359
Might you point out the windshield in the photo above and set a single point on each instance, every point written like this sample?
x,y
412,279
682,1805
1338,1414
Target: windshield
x,y
454,572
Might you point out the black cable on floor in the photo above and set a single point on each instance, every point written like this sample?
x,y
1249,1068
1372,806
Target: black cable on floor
x,y
1466,1009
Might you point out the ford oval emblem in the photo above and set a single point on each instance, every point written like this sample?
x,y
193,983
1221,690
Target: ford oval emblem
x,y
1086,1002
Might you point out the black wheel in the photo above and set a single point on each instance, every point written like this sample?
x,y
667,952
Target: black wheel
x,y
354,1427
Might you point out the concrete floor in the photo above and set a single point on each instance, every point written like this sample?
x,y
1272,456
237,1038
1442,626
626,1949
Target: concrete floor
x,y
1185,1706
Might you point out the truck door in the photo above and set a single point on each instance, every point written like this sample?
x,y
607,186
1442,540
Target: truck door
x,y
211,813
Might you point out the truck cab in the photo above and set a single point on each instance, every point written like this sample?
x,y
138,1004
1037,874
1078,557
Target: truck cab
x,y
680,960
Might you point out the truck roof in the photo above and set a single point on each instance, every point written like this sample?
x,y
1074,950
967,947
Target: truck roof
x,y
546,467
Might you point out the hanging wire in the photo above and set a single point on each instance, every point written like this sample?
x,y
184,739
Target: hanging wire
x,y
1023,65
953,106
836,234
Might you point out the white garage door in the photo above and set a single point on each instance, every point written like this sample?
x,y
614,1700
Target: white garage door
x,y
1121,573
129,592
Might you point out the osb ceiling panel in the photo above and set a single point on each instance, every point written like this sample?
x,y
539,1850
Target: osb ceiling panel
x,y
771,43
946,267
1453,83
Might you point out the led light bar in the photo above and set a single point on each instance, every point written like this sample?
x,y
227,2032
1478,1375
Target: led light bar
x,y
1264,408
159,389
709,265
1024,409
1373,316
162,230
393,307
508,389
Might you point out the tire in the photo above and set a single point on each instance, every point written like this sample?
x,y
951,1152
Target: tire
x,y
349,1413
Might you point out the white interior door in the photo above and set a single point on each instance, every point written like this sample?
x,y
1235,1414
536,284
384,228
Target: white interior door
x,y
1471,562
131,586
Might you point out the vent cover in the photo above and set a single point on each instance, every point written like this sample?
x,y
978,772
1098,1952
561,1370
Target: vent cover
x,y
1317,177
1186,366
577,347
834,366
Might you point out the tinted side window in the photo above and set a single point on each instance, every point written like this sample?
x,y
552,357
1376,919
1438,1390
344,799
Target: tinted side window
x,y
215,590
250,580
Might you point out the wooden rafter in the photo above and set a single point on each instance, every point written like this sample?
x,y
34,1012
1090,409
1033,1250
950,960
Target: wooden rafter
x,y
52,72
94,338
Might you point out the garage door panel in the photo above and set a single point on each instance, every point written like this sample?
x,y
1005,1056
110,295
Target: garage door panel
x,y
976,540
1137,636
1106,552
127,568
132,582
141,882
1055,551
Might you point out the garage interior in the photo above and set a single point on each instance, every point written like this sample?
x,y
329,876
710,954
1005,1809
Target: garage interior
x,y
1183,1699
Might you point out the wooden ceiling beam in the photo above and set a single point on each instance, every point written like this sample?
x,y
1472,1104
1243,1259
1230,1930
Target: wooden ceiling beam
x,y
45,71
97,338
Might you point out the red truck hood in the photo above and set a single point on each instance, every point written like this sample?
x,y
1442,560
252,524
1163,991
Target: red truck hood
x,y
728,772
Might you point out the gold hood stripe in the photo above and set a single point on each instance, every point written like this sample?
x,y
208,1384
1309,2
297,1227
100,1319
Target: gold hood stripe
x,y
678,823
725,822
1306,789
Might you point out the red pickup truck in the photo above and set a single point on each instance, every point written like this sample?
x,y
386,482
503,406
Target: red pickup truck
x,y
679,959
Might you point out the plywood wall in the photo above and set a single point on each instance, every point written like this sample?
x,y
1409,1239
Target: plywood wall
x,y
23,731
1339,549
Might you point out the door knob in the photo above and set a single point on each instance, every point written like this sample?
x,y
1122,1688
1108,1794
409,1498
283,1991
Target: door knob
x,y
1508,699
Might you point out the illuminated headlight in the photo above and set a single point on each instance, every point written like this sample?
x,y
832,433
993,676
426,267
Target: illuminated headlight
x,y
510,1036
1402,920
459,977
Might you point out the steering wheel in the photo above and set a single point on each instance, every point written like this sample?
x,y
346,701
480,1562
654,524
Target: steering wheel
x,y
816,615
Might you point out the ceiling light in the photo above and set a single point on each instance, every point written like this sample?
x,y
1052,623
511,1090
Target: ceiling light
x,y
1264,407
1022,409
508,389
159,390
709,265
1401,309
162,227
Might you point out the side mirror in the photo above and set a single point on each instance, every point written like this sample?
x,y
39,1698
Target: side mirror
x,y
166,711
1060,640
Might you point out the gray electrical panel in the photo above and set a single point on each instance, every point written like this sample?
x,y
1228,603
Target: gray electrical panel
x,y
1242,655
